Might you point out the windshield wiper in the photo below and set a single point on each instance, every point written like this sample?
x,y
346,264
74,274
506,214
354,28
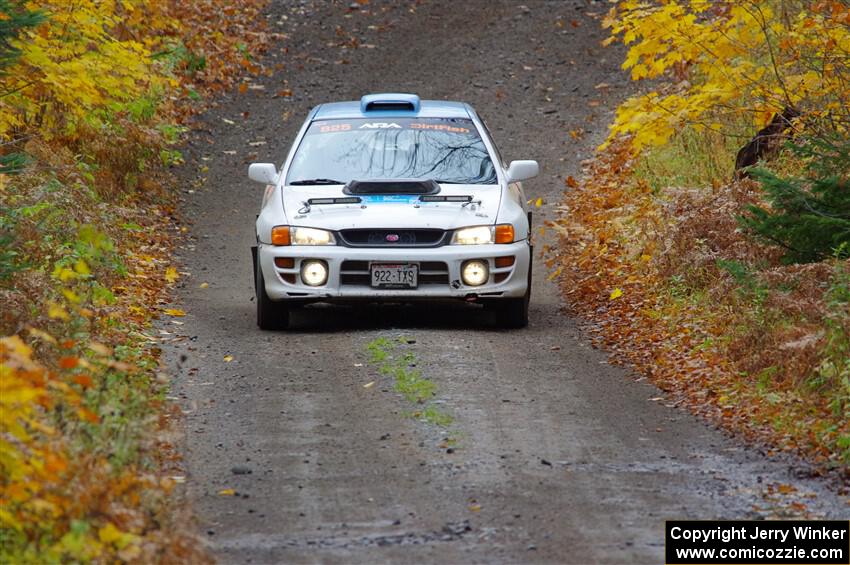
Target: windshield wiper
x,y
314,181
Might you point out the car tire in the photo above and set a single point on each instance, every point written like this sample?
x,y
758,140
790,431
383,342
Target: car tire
x,y
512,313
271,315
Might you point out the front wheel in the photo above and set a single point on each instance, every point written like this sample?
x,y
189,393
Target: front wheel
x,y
271,315
512,313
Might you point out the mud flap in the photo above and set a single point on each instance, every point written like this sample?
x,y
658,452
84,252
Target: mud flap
x,y
530,251
254,261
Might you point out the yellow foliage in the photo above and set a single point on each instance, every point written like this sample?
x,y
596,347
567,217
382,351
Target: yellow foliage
x,y
82,58
747,59
93,96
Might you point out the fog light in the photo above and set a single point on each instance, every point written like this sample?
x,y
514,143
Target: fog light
x,y
314,273
475,272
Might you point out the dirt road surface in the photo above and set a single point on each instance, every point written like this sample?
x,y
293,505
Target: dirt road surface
x,y
557,456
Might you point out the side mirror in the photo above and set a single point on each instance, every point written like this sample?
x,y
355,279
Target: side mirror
x,y
265,173
522,170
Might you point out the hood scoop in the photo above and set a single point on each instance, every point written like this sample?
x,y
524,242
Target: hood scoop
x,y
393,186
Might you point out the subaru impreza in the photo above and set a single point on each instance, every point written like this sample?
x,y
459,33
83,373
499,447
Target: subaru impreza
x,y
394,199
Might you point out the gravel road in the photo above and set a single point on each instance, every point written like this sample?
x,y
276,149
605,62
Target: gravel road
x,y
554,455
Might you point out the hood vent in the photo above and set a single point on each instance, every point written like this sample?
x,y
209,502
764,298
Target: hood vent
x,y
393,186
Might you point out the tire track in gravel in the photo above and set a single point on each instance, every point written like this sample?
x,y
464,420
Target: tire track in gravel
x,y
561,456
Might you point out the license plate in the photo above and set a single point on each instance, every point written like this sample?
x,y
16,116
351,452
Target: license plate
x,y
394,275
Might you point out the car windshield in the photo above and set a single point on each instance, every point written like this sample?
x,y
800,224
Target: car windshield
x,y
441,149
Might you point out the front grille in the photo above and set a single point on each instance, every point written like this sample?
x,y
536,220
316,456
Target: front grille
x,y
357,273
393,238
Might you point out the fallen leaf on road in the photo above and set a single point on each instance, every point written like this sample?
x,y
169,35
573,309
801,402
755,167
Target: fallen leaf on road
x,y
228,358
174,312
171,274
369,384
227,492
203,285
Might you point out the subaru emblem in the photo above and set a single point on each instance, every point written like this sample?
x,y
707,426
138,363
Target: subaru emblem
x,y
393,237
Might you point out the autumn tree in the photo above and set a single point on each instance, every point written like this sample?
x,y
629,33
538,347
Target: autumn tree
x,y
729,62
14,17
733,67
73,67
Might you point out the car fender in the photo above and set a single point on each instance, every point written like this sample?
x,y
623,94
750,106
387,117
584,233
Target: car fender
x,y
271,214
514,210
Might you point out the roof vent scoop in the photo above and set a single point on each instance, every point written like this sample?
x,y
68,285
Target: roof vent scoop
x,y
389,102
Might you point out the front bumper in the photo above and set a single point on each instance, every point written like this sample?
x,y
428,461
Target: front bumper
x,y
439,272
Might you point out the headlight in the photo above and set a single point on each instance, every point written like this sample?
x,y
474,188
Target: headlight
x,y
478,235
311,236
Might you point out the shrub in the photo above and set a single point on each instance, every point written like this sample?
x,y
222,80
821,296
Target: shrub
x,y
808,216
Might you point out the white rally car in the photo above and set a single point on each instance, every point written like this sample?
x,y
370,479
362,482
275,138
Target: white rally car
x,y
393,198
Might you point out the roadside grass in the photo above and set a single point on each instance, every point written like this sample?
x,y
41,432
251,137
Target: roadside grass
x,y
709,313
408,381
696,156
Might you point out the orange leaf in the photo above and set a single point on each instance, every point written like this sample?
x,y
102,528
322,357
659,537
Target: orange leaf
x,y
69,362
88,415
84,381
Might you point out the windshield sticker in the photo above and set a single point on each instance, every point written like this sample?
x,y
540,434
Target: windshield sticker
x,y
439,127
456,126
380,125
329,128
